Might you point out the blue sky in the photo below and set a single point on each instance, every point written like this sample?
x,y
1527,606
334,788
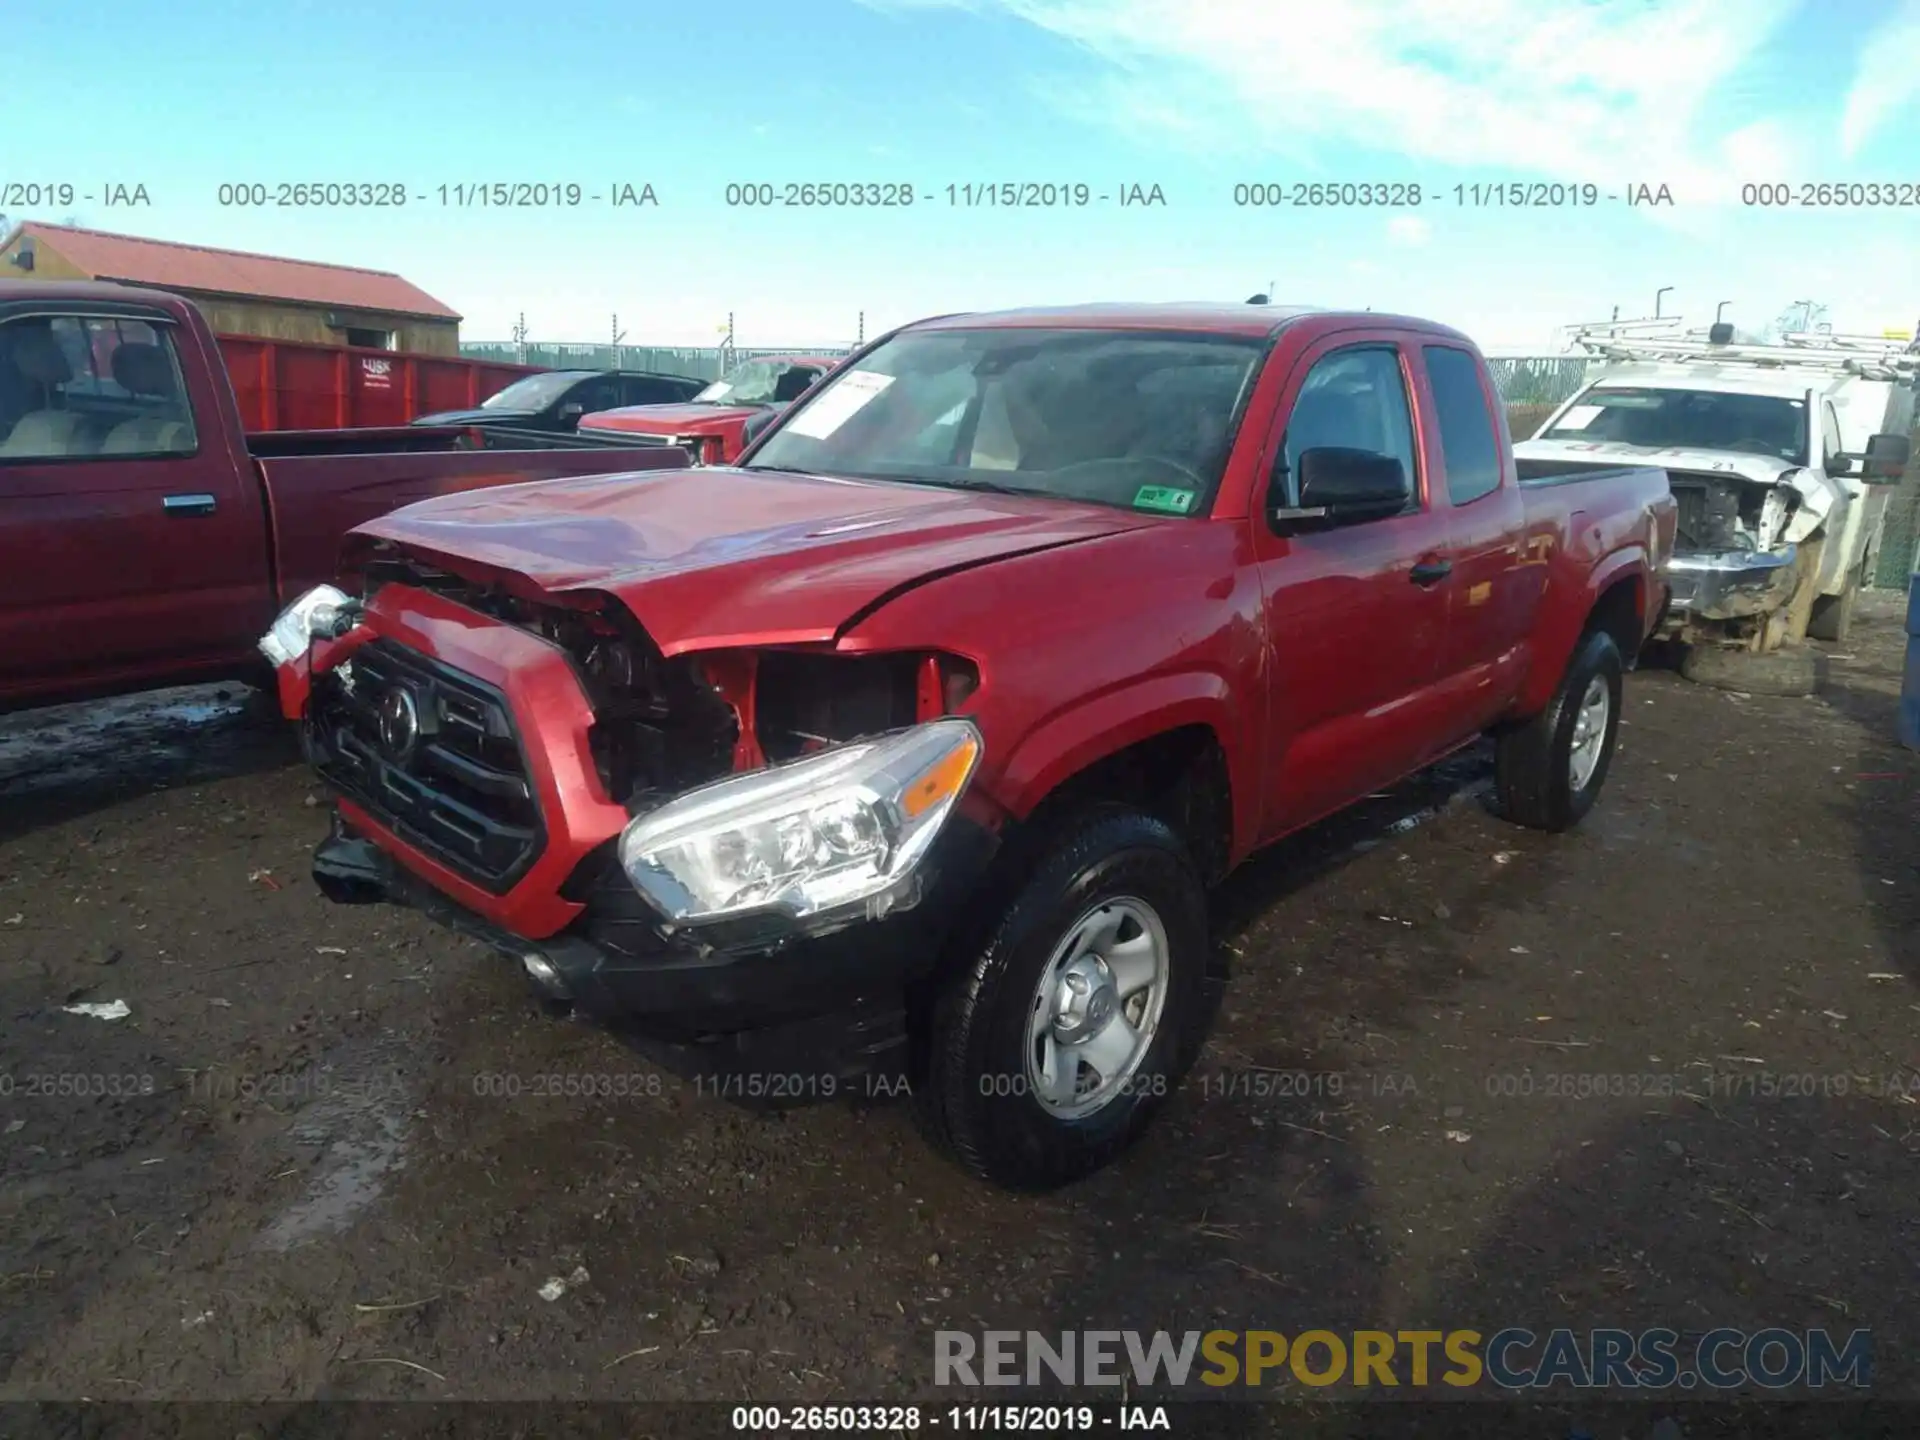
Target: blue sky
x,y
1194,96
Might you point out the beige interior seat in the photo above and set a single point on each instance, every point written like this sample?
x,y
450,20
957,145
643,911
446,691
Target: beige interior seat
x,y
147,371
48,431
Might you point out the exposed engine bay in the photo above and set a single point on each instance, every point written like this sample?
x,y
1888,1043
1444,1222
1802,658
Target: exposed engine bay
x,y
664,725
1730,512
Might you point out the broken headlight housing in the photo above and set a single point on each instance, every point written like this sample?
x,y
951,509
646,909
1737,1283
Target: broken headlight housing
x,y
842,830
319,612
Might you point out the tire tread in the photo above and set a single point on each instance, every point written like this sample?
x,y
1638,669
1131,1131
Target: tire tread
x,y
955,1125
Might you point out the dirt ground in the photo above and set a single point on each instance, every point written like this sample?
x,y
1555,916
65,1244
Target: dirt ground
x,y
326,1170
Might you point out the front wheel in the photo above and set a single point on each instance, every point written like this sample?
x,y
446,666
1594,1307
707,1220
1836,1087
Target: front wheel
x,y
1832,616
1548,772
1053,1044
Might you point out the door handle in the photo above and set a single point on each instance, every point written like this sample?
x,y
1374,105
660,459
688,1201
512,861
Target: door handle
x,y
1431,572
188,504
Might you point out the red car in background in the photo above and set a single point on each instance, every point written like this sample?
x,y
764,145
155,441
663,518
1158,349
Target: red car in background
x,y
715,426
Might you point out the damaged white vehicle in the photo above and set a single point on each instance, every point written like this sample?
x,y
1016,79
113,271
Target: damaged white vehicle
x,y
1782,458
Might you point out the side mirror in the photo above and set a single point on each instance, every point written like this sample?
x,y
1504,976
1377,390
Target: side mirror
x,y
1886,459
1342,485
573,411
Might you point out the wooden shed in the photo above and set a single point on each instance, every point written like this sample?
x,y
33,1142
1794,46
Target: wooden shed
x,y
245,294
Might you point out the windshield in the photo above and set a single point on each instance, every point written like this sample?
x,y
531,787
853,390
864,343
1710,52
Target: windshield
x,y
755,383
1135,418
536,392
1770,425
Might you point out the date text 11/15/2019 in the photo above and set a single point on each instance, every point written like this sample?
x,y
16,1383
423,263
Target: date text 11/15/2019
x,y
1412,195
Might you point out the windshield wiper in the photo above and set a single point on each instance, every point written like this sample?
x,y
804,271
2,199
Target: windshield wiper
x,y
992,487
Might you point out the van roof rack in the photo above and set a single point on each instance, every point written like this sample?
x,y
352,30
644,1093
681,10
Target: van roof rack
x,y
1872,357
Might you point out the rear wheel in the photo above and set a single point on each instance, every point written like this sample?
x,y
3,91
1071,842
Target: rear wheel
x,y
1054,1043
1548,771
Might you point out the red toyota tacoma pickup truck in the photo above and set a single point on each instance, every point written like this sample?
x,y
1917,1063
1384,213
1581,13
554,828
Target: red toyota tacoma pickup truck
x,y
145,537
914,740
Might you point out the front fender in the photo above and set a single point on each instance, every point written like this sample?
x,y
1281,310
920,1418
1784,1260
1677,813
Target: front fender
x,y
1101,725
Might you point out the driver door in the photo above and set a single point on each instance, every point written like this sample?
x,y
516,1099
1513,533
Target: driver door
x,y
1355,614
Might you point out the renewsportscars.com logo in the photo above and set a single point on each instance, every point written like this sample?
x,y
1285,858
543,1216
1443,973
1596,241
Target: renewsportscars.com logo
x,y
1510,1359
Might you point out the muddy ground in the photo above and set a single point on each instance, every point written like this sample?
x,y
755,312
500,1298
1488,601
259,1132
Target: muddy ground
x,y
327,1171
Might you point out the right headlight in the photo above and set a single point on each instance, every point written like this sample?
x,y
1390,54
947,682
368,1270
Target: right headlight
x,y
314,613
843,830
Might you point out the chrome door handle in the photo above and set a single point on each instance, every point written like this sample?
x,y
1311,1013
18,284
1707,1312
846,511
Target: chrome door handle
x,y
189,504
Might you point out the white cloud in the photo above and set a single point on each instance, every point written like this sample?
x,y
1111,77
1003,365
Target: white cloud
x,y
1409,230
1564,88
1887,79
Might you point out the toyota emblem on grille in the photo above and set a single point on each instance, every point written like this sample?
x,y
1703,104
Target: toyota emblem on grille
x,y
399,724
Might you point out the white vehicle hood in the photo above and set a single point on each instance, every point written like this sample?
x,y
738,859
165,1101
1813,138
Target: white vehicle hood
x,y
1816,492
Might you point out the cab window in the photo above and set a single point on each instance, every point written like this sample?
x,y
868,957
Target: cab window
x,y
76,386
1352,399
1469,441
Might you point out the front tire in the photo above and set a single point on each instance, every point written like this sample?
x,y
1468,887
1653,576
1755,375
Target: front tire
x,y
1053,1043
1832,617
1548,772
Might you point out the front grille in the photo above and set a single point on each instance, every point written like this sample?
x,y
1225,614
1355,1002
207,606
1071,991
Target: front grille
x,y
459,790
1690,505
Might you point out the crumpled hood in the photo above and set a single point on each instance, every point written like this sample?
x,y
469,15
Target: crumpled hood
x,y
671,419
712,557
1760,469
1816,493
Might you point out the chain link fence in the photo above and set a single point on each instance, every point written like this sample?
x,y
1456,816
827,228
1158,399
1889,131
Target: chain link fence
x,y
1538,380
702,362
1533,386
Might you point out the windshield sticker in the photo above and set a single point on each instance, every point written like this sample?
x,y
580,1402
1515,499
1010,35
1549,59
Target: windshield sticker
x,y
1579,417
837,404
1164,497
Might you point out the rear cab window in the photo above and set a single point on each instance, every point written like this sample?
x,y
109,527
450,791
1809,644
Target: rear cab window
x,y
1469,439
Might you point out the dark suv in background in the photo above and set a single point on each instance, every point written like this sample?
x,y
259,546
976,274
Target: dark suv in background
x,y
555,400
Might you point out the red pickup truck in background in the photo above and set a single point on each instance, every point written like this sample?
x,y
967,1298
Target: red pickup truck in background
x,y
914,740
145,537
719,422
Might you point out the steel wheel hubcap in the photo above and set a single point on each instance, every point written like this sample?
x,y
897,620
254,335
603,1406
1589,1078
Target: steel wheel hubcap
x,y
1097,1007
1589,732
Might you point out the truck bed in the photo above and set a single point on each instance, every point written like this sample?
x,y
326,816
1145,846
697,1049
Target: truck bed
x,y
1534,473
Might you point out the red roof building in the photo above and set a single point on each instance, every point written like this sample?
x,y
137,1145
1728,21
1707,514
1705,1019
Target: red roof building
x,y
243,293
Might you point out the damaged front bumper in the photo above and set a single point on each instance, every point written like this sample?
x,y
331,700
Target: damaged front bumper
x,y
760,999
467,784
1731,584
